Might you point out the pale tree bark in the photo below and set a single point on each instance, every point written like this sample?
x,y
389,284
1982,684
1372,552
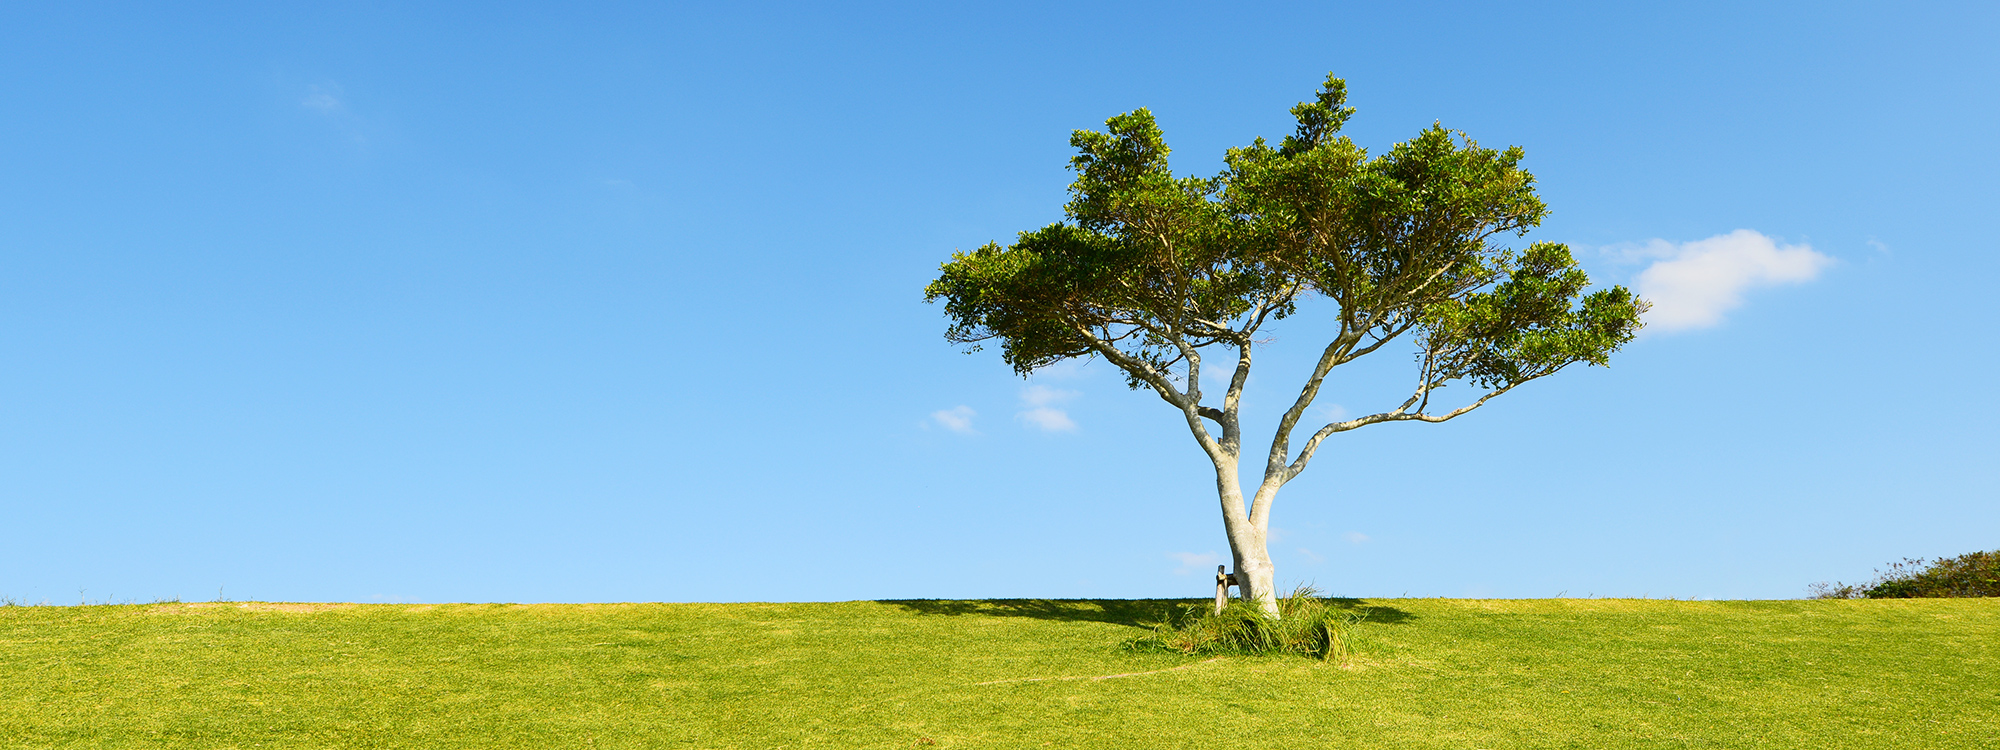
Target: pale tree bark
x,y
1247,521
1248,525
1249,547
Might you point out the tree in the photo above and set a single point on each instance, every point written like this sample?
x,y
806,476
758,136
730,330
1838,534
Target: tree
x,y
1150,271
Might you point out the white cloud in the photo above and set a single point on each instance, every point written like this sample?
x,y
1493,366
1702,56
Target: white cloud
x,y
1049,419
1311,555
1043,411
957,419
329,103
1042,395
323,99
1692,284
1192,562
1355,537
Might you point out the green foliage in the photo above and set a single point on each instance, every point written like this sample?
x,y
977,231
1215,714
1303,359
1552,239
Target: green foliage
x,y
1525,327
1148,267
1306,625
1141,243
1975,574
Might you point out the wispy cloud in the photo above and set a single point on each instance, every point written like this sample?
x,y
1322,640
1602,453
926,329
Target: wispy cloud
x,y
1693,284
1311,555
1355,537
324,99
1043,408
328,103
1333,412
1193,562
957,419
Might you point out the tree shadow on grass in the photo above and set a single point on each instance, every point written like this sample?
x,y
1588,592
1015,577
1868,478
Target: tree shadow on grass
x,y
1137,613
1371,612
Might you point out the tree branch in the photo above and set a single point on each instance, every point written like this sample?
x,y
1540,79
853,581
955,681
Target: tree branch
x,y
1379,341
1275,473
1399,415
1333,355
1145,372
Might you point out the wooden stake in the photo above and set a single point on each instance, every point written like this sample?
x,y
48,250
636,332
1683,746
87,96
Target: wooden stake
x,y
1222,583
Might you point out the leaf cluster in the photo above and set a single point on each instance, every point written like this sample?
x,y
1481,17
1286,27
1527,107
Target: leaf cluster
x,y
1148,268
1146,259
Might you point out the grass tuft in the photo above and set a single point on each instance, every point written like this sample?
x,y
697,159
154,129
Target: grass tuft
x,y
1307,625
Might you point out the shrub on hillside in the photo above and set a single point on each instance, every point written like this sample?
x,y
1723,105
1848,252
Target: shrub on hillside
x,y
1307,625
1968,575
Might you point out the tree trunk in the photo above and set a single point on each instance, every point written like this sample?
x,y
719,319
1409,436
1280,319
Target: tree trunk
x,y
1248,546
1254,575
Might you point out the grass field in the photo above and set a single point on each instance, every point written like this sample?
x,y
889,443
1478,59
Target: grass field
x,y
1427,673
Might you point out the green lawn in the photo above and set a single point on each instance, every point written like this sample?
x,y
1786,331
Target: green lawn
x,y
1427,673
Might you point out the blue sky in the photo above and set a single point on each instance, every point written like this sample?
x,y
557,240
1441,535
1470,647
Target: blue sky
x,y
545,303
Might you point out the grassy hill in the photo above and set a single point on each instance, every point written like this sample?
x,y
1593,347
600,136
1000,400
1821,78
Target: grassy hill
x,y
1428,673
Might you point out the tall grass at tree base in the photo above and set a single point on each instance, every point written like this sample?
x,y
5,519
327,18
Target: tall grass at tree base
x,y
1307,625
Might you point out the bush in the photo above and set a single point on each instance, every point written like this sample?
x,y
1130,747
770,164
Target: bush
x,y
1307,625
1969,575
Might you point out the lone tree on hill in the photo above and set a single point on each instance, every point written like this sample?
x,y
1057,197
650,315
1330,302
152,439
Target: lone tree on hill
x,y
1151,270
